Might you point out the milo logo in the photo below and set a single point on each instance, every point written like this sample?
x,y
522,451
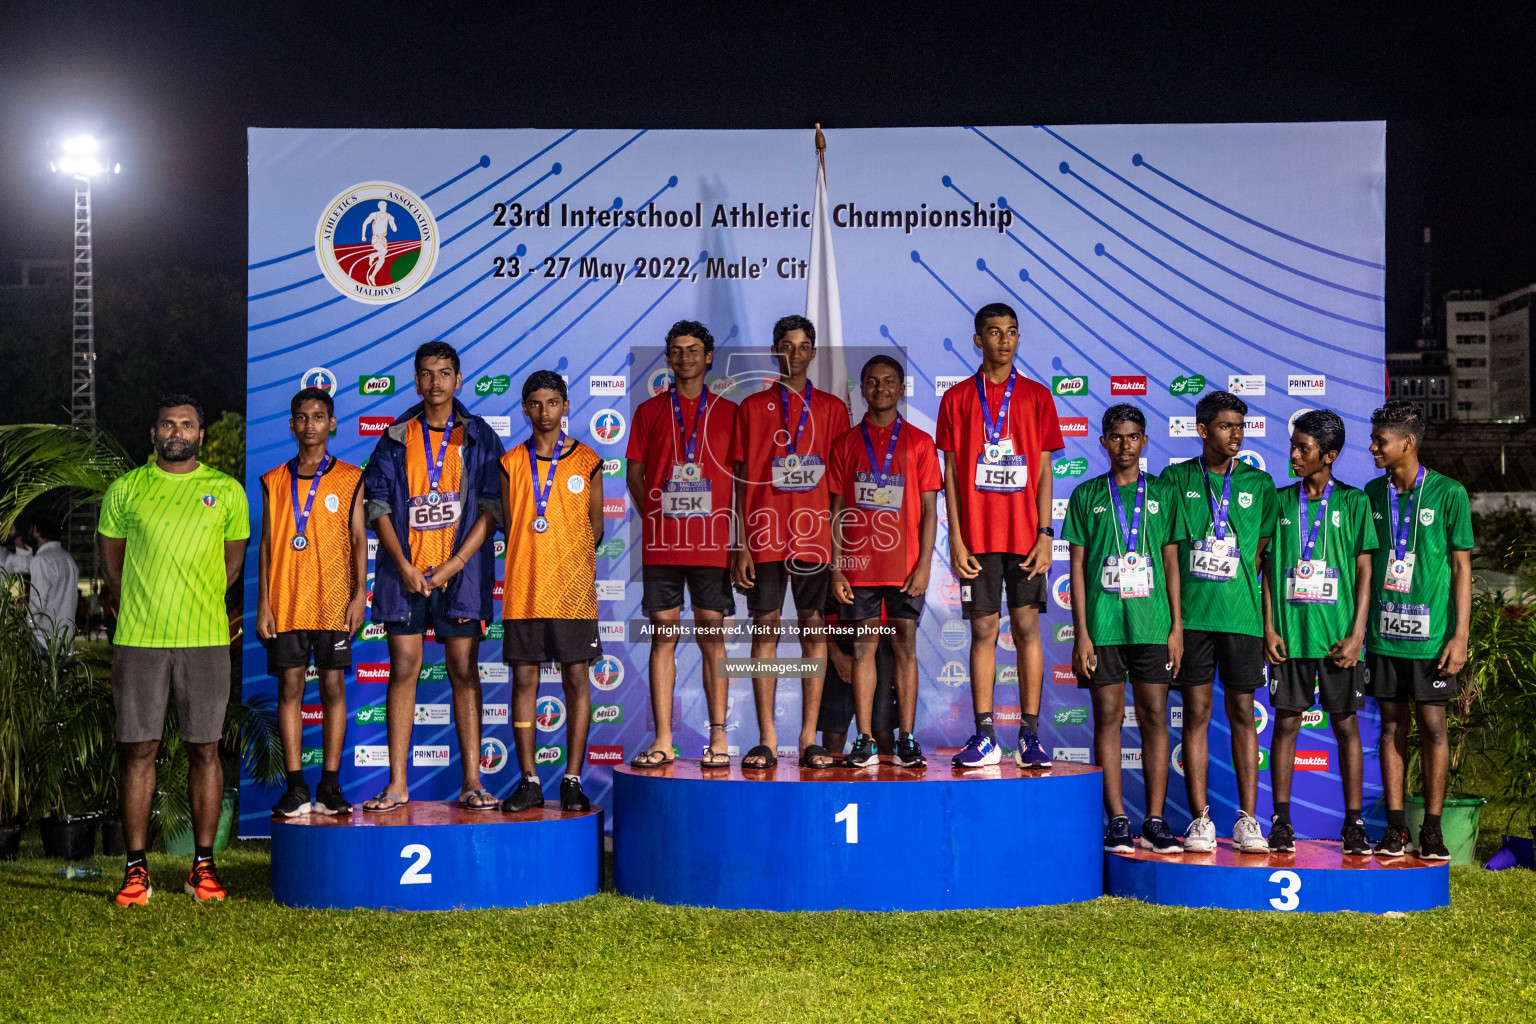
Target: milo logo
x,y
1314,719
497,385
1069,467
1063,633
381,384
1191,385
370,714
433,673
1263,760
607,714
371,631
613,467
549,755
1075,715
1069,385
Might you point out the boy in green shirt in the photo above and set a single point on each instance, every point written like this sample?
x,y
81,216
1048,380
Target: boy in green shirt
x,y
1226,518
1125,618
1421,588
1316,601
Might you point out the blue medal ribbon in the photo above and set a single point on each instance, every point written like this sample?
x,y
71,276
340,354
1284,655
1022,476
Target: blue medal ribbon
x,y
691,441
1313,528
1400,526
805,414
435,466
1130,531
995,426
881,471
301,515
541,494
1219,513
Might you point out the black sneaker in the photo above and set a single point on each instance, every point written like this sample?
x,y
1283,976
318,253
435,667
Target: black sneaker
x,y
1282,836
1117,837
572,796
329,800
864,754
1432,843
294,803
1356,842
528,795
908,753
1393,842
1158,837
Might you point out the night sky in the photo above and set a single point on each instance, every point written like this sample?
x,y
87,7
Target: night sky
x,y
173,90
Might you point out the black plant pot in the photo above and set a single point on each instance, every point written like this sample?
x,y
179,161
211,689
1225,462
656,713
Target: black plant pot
x,y
72,837
112,843
10,839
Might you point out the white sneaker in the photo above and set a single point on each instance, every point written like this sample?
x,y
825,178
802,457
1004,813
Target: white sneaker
x,y
1201,837
1247,837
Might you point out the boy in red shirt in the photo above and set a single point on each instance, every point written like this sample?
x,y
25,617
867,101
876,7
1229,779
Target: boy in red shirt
x,y
679,476
997,431
885,483
780,451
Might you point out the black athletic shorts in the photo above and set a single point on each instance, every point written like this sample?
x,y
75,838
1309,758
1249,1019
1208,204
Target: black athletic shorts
x,y
1401,680
810,582
1239,657
981,596
562,640
867,602
1293,682
430,611
331,648
1136,663
709,588
837,708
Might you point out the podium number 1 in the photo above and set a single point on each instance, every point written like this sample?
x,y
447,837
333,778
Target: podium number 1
x,y
1290,886
849,816
414,875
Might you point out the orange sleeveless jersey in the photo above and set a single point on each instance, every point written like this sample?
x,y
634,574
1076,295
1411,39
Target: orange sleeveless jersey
x,y
310,589
551,575
432,547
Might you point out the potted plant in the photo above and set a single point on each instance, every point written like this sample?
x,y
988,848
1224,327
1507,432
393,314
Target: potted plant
x,y
18,712
75,759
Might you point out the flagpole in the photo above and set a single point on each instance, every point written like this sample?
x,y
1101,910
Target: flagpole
x,y
823,306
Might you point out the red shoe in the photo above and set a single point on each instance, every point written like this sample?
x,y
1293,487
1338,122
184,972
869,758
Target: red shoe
x,y
203,883
135,891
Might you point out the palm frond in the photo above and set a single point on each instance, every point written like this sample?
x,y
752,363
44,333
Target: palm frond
x,y
36,458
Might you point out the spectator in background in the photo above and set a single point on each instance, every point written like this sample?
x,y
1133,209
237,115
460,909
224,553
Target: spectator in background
x,y
55,579
15,556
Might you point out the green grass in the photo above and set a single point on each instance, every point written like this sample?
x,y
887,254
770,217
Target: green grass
x,y
68,954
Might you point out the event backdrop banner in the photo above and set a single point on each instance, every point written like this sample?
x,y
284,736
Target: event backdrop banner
x,y
1148,264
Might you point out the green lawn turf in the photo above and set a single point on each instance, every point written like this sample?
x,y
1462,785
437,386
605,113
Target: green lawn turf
x,y
68,954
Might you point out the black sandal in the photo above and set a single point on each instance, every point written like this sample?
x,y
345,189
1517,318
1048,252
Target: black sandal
x,y
762,752
712,758
654,758
812,752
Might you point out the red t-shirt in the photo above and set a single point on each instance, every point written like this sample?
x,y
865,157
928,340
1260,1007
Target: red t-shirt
x,y
784,524
997,521
655,441
880,545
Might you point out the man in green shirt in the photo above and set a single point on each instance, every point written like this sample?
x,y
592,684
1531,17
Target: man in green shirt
x,y
1316,601
1421,588
1126,621
1226,517
173,536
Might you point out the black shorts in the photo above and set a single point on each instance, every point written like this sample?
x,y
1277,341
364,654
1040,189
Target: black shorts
x,y
981,596
430,611
1239,657
837,708
867,602
1340,691
1136,663
1400,680
709,588
331,648
810,582
563,640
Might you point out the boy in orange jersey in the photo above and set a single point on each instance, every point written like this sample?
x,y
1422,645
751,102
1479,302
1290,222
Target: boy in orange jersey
x,y
313,582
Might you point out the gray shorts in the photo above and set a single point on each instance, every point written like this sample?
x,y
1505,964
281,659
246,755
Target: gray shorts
x,y
144,678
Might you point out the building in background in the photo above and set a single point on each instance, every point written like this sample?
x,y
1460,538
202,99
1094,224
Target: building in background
x,y
1476,366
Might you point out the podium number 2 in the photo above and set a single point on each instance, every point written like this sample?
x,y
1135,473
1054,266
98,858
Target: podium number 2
x,y
849,816
413,874
1290,886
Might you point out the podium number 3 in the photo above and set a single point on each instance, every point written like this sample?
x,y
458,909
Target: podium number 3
x,y
413,874
849,816
1290,887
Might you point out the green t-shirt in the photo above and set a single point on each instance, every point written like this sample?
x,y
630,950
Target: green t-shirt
x,y
1093,525
1222,606
1442,523
1309,628
173,570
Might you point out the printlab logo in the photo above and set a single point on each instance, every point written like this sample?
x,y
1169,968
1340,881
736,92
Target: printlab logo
x,y
1254,426
1306,384
494,714
376,384
493,755
1066,386
607,672
319,377
376,242
607,425
549,713
943,383
607,386
429,756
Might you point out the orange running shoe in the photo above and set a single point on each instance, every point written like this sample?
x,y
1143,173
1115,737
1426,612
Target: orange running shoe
x,y
135,891
203,883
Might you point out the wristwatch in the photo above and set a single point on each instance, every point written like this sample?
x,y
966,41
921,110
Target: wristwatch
x,y
1046,531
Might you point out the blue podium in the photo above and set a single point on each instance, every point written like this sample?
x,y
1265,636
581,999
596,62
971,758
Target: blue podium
x,y
1317,877
887,839
431,855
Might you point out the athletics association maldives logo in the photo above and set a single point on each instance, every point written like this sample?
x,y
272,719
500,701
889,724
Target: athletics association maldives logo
x,y
549,713
607,425
659,381
607,672
376,242
319,377
493,756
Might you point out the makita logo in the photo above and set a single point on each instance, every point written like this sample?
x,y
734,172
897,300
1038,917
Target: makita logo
x,y
1073,426
312,713
1006,714
373,426
498,589
1311,760
1127,385
605,754
615,508
373,671
1063,675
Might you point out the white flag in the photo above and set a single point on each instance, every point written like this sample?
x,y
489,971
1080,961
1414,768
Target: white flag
x,y
822,307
